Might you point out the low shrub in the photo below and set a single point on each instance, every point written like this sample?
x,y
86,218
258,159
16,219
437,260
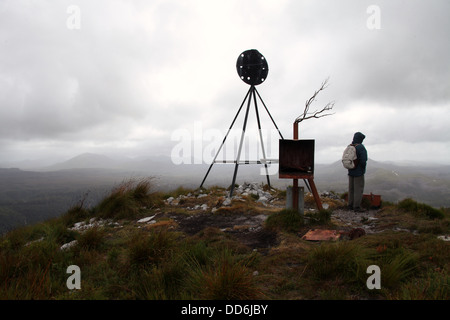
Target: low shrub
x,y
287,219
421,209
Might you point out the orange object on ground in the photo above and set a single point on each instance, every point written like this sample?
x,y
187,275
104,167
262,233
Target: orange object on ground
x,y
321,235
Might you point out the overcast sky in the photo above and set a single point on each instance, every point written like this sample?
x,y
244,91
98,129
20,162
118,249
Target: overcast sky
x,y
127,77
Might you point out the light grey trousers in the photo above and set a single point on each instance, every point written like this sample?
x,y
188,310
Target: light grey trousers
x,y
355,191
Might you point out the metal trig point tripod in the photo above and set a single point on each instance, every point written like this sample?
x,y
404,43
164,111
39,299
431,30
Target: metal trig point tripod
x,y
253,69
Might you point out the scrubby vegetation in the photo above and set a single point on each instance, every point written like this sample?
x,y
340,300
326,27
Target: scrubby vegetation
x,y
122,259
420,209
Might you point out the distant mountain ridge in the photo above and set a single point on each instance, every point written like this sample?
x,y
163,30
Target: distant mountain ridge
x,y
430,184
85,161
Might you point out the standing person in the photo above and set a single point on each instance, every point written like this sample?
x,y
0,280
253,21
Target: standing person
x,y
356,175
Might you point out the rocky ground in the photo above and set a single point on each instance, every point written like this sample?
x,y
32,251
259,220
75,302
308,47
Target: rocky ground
x,y
348,218
193,212
220,211
243,215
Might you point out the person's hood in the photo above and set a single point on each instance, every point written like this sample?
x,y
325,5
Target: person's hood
x,y
358,137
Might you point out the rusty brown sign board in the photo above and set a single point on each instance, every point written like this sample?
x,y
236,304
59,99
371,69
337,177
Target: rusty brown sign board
x,y
296,159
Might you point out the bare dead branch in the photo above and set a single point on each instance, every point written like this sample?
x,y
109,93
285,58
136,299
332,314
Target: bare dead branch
x,y
317,113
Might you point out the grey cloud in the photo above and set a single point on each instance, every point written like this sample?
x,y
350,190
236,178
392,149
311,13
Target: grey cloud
x,y
402,62
56,81
147,64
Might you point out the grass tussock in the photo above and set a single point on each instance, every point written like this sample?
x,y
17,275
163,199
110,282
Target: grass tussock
x,y
91,239
433,285
341,259
397,266
224,278
150,248
127,200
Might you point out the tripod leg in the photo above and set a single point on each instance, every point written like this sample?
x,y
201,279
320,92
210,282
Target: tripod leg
x,y
315,193
261,140
307,185
225,138
273,121
242,140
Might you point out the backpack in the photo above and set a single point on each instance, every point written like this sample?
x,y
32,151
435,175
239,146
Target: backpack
x,y
349,157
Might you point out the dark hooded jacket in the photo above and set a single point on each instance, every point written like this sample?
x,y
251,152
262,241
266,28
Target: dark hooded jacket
x,y
361,152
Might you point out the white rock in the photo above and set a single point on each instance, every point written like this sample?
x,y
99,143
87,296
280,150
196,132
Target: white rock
x,y
444,237
81,226
34,241
147,219
261,217
78,225
169,200
262,199
226,202
68,245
